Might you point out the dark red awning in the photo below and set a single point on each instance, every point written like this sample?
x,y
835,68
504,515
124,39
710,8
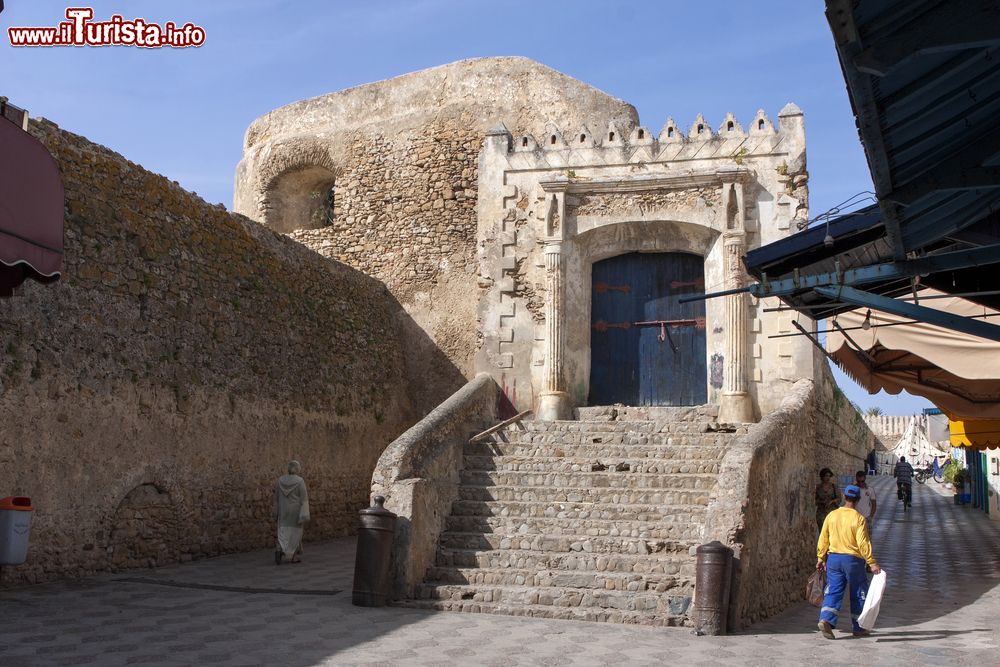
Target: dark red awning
x,y
31,210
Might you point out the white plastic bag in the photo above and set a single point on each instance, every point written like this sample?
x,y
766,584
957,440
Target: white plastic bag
x,y
872,601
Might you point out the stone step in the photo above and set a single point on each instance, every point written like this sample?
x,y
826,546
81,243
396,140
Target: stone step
x,y
549,494
563,543
524,559
591,614
635,427
599,463
597,452
680,528
555,596
706,413
588,480
619,511
662,440
587,580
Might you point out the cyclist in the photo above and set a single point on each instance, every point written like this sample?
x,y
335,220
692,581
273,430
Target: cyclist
x,y
904,481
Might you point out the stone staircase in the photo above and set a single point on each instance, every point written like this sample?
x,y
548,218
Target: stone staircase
x,y
587,520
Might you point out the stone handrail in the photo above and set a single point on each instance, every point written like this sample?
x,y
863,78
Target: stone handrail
x,y
418,473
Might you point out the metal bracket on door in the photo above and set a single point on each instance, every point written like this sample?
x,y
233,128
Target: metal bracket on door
x,y
673,324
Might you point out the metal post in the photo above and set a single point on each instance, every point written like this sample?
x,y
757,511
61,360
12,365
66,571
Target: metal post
x,y
374,553
713,573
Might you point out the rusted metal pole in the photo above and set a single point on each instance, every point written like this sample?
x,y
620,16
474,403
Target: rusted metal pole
x,y
713,573
374,552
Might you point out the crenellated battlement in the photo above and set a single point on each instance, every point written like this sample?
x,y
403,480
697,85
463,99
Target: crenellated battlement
x,y
615,144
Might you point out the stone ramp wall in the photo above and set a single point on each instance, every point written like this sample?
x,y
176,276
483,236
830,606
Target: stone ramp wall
x,y
765,505
150,398
419,476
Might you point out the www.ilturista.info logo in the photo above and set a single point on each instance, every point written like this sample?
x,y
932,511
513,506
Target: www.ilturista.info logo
x,y
81,30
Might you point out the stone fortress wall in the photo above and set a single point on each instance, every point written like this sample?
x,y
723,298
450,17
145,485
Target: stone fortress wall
x,y
402,156
149,399
387,178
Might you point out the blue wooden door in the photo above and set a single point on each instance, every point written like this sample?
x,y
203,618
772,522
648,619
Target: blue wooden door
x,y
646,348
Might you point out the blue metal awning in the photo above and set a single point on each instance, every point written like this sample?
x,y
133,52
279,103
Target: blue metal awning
x,y
924,81
923,77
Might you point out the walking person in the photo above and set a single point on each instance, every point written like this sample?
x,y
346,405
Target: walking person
x,y
291,511
827,496
867,503
843,550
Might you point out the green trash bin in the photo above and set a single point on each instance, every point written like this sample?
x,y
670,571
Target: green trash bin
x,y
15,526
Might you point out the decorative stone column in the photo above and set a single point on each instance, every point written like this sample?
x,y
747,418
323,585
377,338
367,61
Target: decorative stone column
x,y
554,403
737,404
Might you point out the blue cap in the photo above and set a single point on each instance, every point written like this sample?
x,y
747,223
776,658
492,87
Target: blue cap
x,y
851,491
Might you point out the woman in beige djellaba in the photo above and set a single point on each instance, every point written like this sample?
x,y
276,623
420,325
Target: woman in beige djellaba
x,y
291,511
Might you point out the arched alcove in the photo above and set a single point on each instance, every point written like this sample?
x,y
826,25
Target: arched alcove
x,y
304,197
145,529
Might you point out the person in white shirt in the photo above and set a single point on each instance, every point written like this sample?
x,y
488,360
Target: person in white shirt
x,y
866,504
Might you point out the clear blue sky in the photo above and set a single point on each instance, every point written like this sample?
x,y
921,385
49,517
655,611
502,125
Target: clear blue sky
x,y
182,112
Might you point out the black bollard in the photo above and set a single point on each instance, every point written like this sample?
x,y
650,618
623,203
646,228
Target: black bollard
x,y
371,562
711,588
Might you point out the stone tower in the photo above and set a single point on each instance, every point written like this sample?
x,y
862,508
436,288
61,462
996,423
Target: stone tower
x,y
486,193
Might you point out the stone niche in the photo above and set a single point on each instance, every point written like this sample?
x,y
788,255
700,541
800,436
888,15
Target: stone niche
x,y
304,198
145,529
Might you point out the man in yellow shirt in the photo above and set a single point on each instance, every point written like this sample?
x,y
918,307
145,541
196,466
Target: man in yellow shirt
x,y
843,550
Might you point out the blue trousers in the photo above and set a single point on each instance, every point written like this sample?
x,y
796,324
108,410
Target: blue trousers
x,y
844,572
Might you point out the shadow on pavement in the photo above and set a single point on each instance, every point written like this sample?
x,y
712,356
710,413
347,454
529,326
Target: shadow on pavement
x,y
923,635
239,609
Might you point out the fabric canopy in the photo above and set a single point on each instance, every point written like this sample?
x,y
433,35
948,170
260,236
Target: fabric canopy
x,y
957,372
916,444
977,434
31,210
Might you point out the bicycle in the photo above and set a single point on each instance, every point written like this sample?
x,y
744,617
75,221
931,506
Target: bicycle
x,y
928,472
904,491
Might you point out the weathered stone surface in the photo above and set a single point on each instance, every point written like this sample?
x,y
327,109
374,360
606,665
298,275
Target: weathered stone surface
x,y
151,396
563,532
403,156
418,474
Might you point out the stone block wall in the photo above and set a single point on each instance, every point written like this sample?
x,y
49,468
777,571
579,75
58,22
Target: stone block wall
x,y
765,507
401,157
150,398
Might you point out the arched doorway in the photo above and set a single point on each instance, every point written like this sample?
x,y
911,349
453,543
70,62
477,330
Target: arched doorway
x,y
646,348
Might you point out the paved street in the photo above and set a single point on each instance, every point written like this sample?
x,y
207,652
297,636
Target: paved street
x,y
942,607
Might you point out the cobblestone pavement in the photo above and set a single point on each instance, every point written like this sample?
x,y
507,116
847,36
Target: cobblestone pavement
x,y
942,607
